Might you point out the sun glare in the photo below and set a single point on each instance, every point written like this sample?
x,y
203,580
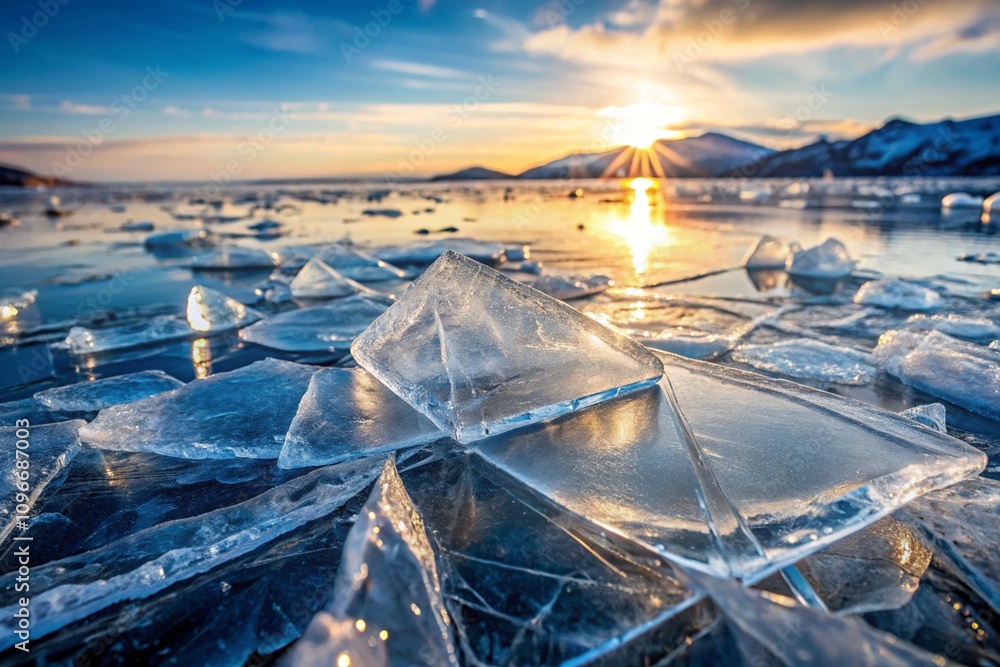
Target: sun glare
x,y
640,232
641,125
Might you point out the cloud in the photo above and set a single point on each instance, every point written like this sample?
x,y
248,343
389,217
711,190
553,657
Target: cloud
x,y
16,102
418,69
175,111
66,106
732,30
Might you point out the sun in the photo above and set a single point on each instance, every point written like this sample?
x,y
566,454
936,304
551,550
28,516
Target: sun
x,y
641,125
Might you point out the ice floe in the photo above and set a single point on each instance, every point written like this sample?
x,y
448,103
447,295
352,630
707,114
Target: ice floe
x,y
327,328
233,258
894,293
423,254
317,280
480,354
358,265
769,253
961,200
809,359
99,394
830,259
570,286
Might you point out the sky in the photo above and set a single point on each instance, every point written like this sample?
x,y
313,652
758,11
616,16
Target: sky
x,y
242,89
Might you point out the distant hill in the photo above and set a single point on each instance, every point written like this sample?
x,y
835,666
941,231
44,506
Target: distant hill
x,y
710,154
17,177
473,174
898,148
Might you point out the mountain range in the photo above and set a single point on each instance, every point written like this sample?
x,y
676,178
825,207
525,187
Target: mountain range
x,y
899,148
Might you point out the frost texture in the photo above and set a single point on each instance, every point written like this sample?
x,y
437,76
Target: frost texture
x,y
963,374
670,466
830,259
328,328
894,293
240,414
151,560
481,354
346,413
50,449
99,394
811,360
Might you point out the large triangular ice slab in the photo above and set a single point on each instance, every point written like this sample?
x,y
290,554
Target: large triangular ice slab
x,y
729,472
388,586
345,414
481,354
240,414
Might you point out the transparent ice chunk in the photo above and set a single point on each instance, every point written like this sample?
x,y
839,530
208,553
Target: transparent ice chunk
x,y
810,359
233,258
11,305
932,415
90,396
346,413
961,373
157,329
151,560
977,329
830,259
963,521
357,265
737,497
49,448
565,287
894,293
327,328
240,414
209,311
196,238
481,354
316,280
388,585
769,253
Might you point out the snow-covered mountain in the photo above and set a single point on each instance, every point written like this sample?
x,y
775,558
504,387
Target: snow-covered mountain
x,y
710,154
898,148
473,174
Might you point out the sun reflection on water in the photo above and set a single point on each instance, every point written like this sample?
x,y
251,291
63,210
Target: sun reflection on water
x,y
640,232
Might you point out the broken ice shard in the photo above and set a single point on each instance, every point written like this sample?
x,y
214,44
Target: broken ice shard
x,y
932,415
798,635
388,584
326,328
99,394
827,260
893,293
240,414
209,311
316,280
151,560
346,413
565,287
198,238
769,253
811,360
736,497
358,265
233,258
422,254
481,354
158,329
963,521
961,373
49,448
11,305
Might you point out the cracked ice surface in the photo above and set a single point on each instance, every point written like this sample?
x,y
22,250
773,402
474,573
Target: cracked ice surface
x,y
51,447
151,560
243,413
388,583
740,497
481,354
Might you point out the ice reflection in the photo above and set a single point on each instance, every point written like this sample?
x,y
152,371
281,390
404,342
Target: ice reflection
x,y
201,358
639,230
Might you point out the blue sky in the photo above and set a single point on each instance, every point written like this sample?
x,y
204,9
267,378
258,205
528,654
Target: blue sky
x,y
288,90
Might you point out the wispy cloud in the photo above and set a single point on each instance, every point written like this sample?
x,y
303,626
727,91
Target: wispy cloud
x,y
67,106
16,102
418,69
